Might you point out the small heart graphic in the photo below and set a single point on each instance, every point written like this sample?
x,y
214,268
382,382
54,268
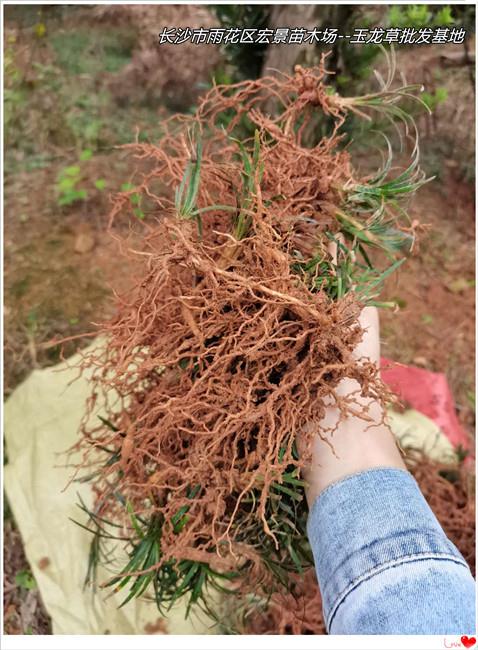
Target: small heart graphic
x,y
468,641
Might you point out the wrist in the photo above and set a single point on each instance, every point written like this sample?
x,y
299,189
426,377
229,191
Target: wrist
x,y
347,447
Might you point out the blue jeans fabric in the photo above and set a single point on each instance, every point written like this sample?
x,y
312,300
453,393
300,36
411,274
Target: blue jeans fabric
x,y
383,562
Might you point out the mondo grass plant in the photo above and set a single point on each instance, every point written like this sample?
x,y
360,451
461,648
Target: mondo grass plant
x,y
243,322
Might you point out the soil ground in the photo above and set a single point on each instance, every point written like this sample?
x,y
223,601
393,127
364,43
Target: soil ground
x,y
434,326
60,264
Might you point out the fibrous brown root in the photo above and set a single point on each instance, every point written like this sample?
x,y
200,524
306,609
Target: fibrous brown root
x,y
223,352
217,369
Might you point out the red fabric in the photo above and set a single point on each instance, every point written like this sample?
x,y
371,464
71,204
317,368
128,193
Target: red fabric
x,y
427,392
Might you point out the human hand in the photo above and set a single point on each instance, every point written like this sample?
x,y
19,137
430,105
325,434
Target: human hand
x,y
356,444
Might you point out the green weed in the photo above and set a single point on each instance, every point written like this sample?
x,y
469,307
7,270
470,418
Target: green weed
x,y
67,188
25,579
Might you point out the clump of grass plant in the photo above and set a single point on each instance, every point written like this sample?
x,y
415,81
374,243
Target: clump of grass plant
x,y
241,326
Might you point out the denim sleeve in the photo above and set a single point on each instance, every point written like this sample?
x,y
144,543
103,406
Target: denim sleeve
x,y
383,562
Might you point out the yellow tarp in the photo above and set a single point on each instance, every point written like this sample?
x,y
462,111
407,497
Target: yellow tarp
x,y
41,421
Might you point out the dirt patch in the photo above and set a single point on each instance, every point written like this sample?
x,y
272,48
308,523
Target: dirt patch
x,y
448,134
53,286
434,326
24,612
172,74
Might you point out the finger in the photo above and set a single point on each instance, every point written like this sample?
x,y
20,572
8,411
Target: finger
x,y
369,346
